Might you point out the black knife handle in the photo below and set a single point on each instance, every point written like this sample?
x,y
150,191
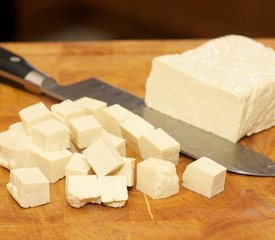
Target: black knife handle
x,y
16,68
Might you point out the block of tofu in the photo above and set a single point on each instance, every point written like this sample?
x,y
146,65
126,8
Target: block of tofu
x,y
81,190
34,114
157,178
205,177
226,86
29,187
15,150
113,116
85,130
17,128
52,164
92,106
103,157
127,169
50,135
158,144
118,142
67,110
133,129
78,165
113,190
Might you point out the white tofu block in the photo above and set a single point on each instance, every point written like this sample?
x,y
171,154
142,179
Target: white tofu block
x,y
157,178
29,187
133,129
51,164
226,86
77,165
103,157
34,114
113,116
118,142
81,190
50,135
67,110
15,150
204,176
85,130
17,128
158,144
92,106
127,170
113,190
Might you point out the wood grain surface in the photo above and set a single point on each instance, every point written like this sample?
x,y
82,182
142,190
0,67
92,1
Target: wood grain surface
x,y
245,210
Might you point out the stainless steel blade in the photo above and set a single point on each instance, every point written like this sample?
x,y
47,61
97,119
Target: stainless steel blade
x,y
194,142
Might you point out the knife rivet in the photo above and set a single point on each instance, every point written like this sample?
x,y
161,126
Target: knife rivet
x,y
15,59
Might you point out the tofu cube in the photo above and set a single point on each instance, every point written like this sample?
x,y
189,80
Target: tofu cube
x,y
92,106
113,116
159,144
17,128
127,169
67,110
85,130
103,157
204,176
34,114
133,129
15,150
29,187
157,178
81,190
113,190
51,164
77,165
118,142
50,135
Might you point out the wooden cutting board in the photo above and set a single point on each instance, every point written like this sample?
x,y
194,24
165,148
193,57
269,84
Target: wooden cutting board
x,y
245,210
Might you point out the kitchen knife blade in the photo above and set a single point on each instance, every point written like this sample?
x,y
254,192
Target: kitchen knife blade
x,y
194,142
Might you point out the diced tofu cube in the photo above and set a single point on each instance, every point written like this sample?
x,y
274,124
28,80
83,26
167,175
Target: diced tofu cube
x,y
29,187
81,190
50,135
17,128
204,176
67,110
159,144
78,165
103,157
127,169
92,106
113,116
133,129
51,164
113,190
15,150
34,114
157,178
118,142
85,130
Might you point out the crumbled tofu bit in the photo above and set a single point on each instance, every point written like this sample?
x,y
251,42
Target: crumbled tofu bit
x,y
34,114
85,130
204,176
50,135
81,190
157,178
158,144
133,129
67,110
52,164
113,116
118,142
127,169
29,187
103,157
78,165
113,190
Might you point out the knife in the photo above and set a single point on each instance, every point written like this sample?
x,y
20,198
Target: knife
x,y
194,142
